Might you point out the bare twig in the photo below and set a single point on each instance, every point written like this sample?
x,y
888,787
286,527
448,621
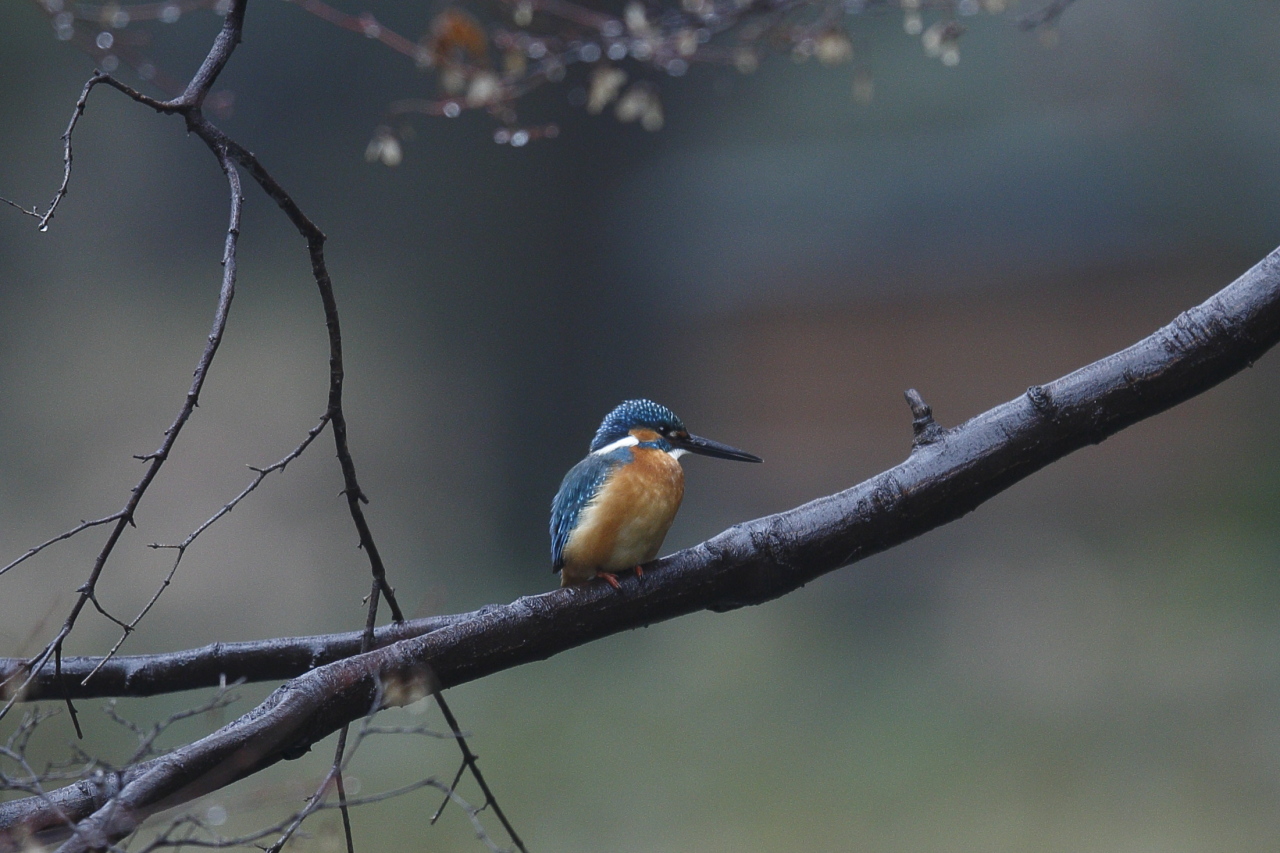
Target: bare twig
x,y
190,824
87,592
260,474
425,731
156,459
264,660
66,534
335,778
750,563
469,760
147,737
228,153
226,150
16,206
453,786
218,141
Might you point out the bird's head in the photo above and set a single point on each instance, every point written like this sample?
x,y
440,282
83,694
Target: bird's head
x,y
646,422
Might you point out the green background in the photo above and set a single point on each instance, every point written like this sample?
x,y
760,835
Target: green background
x,y
1090,661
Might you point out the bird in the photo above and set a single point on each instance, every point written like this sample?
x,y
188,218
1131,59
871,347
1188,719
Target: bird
x,y
613,509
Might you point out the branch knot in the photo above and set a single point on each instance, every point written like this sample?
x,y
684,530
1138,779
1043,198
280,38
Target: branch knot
x,y
1042,401
924,429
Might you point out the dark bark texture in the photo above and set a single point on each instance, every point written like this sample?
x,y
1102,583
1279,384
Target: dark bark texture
x,y
948,473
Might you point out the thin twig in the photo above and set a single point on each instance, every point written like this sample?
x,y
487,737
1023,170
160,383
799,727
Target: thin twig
x,y
147,737
750,563
470,759
81,102
453,786
156,459
71,708
334,776
188,104
425,731
67,534
260,475
190,823
32,212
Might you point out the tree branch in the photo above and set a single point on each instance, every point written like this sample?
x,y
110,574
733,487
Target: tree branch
x,y
750,563
228,152
172,672
87,592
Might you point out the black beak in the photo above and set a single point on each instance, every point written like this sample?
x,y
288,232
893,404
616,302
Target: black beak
x,y
707,447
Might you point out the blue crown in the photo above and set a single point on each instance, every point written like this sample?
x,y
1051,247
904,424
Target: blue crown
x,y
631,414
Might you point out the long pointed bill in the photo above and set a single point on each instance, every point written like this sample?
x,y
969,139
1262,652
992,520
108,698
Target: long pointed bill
x,y
707,447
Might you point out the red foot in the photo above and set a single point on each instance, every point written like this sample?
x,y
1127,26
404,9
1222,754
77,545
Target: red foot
x,y
639,571
610,578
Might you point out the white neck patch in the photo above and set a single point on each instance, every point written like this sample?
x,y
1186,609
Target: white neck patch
x,y
677,452
628,441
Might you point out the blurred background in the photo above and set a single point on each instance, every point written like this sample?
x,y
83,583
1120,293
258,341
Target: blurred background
x,y
1090,661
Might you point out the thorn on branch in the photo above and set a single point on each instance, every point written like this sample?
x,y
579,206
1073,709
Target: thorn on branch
x,y
924,429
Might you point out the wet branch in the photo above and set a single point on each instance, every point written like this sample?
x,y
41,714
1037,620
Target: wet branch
x,y
171,672
228,153
750,563
13,685
18,679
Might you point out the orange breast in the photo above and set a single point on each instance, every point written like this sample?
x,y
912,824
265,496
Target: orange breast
x,y
625,523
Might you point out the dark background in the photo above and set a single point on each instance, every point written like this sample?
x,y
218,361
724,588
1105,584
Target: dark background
x,y
1091,661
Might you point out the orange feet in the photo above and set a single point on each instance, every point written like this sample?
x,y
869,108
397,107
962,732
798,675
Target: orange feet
x,y
639,571
610,578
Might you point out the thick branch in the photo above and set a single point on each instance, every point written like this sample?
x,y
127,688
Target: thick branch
x,y
747,564
263,660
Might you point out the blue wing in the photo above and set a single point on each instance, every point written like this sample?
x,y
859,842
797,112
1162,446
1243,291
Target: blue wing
x,y
577,489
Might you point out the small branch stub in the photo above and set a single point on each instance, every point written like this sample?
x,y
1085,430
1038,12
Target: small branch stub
x,y
924,428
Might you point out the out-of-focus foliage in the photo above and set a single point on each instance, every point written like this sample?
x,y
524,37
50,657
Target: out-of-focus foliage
x,y
491,63
1088,662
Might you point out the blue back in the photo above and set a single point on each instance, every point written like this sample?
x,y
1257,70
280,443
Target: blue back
x,y
579,486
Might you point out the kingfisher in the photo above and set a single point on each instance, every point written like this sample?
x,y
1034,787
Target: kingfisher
x,y
614,508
